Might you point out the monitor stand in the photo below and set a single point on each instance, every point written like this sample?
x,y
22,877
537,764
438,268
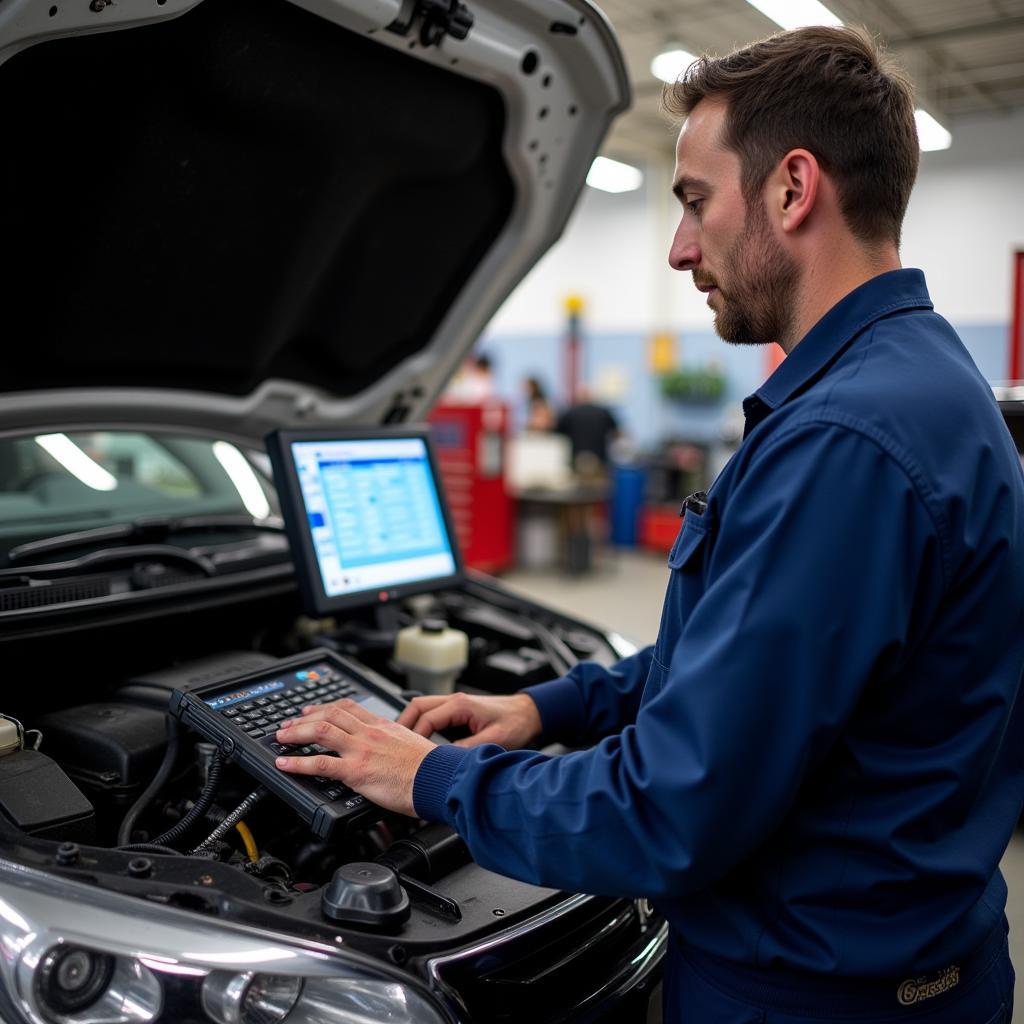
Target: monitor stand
x,y
357,639
386,617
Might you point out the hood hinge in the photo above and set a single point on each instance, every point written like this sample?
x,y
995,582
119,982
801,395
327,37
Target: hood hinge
x,y
440,18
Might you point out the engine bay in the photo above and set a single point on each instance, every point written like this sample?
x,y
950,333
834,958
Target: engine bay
x,y
116,790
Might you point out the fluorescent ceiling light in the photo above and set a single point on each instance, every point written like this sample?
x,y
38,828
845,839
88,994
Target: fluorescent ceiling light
x,y
76,462
930,134
245,480
792,14
668,66
612,176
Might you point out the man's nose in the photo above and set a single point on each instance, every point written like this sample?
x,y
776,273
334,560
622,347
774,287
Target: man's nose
x,y
684,253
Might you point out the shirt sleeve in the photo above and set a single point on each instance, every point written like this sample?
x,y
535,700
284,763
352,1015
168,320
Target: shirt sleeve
x,y
825,569
592,701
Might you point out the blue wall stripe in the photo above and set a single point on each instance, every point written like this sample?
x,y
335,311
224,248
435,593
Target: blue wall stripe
x,y
642,411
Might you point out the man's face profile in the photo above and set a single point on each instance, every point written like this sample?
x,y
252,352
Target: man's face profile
x,y
728,245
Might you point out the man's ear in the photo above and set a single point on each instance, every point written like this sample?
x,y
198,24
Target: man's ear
x,y
795,188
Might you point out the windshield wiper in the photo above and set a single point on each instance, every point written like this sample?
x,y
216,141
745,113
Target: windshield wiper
x,y
143,530
43,573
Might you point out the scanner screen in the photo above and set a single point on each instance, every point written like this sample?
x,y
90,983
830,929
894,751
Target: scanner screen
x,y
373,512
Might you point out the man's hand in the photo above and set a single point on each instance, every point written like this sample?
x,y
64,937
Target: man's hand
x,y
511,722
379,758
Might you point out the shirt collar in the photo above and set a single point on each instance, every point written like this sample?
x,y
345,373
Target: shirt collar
x,y
885,294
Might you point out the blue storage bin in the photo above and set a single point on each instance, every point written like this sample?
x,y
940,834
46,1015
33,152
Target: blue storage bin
x,y
628,487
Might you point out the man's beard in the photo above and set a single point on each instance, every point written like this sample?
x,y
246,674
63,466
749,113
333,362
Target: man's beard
x,y
761,279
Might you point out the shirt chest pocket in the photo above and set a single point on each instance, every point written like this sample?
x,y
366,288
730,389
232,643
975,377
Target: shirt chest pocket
x,y
687,561
693,544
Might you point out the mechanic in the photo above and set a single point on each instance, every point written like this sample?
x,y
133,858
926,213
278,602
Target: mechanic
x,y
816,769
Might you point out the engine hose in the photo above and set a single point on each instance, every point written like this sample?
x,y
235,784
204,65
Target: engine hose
x,y
251,849
232,819
427,855
199,808
163,773
164,851
561,658
559,655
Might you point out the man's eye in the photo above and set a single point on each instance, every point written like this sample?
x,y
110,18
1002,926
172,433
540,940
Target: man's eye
x,y
694,205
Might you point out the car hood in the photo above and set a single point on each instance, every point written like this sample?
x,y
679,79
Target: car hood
x,y
240,214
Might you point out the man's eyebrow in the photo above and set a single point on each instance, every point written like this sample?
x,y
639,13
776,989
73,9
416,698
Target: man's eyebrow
x,y
685,184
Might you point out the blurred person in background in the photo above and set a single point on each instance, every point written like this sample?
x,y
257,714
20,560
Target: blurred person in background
x,y
590,428
540,416
474,382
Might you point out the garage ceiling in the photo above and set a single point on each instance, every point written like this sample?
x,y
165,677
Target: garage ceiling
x,y
966,58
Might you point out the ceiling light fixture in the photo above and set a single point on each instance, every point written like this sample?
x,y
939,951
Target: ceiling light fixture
x,y
249,490
77,462
930,134
792,14
671,63
612,176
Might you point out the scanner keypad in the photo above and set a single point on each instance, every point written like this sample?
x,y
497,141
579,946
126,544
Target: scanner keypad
x,y
261,717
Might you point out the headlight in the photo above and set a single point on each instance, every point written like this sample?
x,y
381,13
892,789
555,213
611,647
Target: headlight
x,y
72,983
72,954
250,998
71,979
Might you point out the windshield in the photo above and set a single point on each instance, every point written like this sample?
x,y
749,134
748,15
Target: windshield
x,y
58,483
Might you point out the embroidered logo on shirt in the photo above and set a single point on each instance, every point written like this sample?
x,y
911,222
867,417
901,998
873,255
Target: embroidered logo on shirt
x,y
916,990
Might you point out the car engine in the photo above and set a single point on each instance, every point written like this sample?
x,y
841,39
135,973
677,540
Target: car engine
x,y
115,792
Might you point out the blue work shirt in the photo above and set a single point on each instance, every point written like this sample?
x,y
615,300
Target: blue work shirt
x,y
818,765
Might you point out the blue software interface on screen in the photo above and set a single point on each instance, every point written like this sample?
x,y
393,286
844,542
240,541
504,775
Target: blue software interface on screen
x,y
374,513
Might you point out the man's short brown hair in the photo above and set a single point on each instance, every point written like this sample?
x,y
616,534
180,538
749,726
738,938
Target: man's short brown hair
x,y
831,91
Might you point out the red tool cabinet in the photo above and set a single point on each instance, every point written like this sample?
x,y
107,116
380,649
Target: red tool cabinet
x,y
470,444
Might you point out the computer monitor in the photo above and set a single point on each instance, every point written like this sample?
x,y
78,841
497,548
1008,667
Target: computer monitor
x,y
365,515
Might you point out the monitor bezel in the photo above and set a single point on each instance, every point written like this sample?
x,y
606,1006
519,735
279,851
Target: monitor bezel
x,y
293,508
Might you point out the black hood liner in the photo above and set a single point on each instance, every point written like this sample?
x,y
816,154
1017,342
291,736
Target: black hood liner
x,y
241,193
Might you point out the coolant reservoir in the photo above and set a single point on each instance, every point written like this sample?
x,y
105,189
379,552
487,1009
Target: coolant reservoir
x,y
10,740
432,655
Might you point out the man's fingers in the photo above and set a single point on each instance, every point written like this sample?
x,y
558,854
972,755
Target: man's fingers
x,y
443,717
352,707
323,731
356,710
320,764
417,706
425,726
340,712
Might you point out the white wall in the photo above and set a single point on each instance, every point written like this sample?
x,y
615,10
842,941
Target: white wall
x,y
615,254
966,216
606,255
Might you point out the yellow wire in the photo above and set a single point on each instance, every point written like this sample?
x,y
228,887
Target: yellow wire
x,y
250,843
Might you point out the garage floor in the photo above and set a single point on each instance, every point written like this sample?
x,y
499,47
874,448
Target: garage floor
x,y
624,592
